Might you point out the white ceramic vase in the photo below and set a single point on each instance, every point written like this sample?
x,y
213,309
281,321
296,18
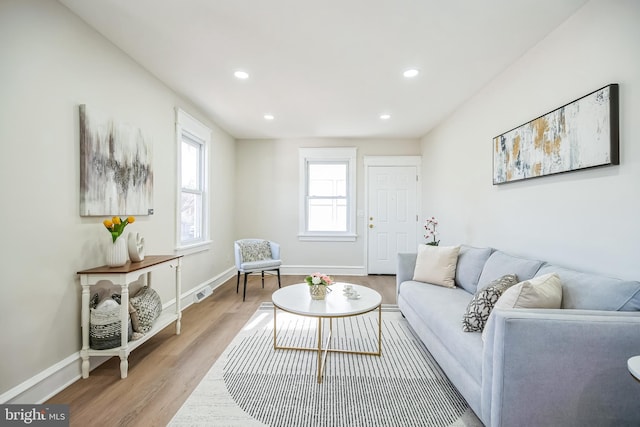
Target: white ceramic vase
x,y
117,253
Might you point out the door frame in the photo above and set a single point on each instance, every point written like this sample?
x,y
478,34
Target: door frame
x,y
373,161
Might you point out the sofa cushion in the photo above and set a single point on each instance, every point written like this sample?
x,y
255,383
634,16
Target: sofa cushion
x,y
440,310
540,292
470,263
479,308
501,263
594,292
436,265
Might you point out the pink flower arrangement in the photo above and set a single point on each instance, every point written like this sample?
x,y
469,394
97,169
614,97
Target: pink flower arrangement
x,y
430,225
319,279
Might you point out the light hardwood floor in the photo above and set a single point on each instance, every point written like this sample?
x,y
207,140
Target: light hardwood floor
x,y
164,371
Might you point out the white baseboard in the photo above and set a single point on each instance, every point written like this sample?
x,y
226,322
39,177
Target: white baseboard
x,y
334,270
46,384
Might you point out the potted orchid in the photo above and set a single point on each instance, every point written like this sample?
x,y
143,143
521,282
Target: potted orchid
x,y
430,226
318,284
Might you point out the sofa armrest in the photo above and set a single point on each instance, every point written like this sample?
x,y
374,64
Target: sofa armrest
x,y
560,367
404,269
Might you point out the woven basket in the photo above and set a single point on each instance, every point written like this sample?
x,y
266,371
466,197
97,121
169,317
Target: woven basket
x,y
104,328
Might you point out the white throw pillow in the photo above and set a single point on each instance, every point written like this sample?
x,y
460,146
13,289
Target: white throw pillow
x,y
540,292
437,265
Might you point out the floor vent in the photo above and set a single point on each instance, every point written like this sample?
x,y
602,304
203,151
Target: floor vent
x,y
202,293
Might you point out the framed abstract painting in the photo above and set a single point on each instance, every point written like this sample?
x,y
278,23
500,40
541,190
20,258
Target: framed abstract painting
x,y
579,135
116,171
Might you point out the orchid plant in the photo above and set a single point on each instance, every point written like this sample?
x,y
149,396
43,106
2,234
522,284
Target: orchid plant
x,y
430,226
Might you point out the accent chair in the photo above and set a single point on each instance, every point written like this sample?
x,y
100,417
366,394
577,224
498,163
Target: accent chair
x,y
253,256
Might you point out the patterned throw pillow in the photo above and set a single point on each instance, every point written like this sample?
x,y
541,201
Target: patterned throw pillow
x,y
148,305
257,250
483,301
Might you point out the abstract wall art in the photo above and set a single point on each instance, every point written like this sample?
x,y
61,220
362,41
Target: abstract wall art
x,y
579,135
116,171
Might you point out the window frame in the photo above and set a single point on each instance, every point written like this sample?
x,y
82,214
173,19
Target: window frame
x,y
346,155
194,132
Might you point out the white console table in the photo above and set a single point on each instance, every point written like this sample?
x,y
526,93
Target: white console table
x,y
123,276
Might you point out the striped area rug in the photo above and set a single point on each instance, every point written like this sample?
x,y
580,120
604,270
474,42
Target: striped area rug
x,y
253,384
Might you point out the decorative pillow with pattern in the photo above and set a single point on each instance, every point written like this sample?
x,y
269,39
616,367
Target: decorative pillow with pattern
x,y
256,250
479,308
148,305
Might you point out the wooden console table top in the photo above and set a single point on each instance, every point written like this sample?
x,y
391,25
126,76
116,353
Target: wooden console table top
x,y
129,267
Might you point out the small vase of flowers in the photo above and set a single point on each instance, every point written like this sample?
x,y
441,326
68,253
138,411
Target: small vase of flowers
x,y
117,252
318,285
430,226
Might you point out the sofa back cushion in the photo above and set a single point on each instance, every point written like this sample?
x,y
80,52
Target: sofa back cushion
x,y
470,263
594,292
501,263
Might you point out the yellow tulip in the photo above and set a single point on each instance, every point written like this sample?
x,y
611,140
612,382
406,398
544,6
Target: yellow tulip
x,y
131,219
116,220
107,223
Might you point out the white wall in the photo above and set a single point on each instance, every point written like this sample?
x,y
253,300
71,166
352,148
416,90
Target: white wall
x,y
51,63
268,204
586,219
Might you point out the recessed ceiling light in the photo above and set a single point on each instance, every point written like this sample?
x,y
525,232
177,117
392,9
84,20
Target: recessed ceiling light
x,y
411,72
242,75
269,117
385,116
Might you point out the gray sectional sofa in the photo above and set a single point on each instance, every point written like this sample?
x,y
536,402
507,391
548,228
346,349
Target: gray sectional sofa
x,y
535,367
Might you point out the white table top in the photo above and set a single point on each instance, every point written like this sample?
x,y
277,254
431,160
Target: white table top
x,y
634,366
296,299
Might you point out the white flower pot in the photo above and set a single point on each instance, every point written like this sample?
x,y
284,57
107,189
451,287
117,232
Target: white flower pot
x,y
117,253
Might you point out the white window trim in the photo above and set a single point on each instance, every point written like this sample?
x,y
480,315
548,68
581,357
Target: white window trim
x,y
344,154
187,124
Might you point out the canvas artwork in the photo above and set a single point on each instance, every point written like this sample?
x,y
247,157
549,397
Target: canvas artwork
x,y
116,173
579,135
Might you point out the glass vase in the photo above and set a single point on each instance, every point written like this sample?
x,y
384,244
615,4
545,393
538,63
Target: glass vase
x,y
318,292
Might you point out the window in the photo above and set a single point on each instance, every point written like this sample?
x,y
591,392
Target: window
x,y
327,194
193,141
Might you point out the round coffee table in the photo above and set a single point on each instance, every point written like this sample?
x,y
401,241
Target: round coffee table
x,y
297,300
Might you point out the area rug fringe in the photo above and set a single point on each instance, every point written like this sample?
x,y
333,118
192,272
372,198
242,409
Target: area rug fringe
x,y
254,385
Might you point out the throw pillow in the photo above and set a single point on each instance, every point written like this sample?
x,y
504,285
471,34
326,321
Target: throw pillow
x,y
540,292
256,250
148,305
483,301
436,265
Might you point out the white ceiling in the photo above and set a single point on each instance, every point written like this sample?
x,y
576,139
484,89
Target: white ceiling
x,y
325,68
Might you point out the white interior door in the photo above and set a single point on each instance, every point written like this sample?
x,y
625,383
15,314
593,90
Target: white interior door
x,y
391,214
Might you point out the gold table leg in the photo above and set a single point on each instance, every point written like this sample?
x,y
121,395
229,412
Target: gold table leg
x,y
322,353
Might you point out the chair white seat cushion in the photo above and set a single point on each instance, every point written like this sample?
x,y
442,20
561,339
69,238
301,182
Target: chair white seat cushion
x,y
260,265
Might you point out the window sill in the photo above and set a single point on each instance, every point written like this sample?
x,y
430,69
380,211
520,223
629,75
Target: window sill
x,y
193,248
324,237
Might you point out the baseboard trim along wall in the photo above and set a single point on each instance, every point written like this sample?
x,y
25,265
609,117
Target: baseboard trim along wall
x,y
41,387
335,270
